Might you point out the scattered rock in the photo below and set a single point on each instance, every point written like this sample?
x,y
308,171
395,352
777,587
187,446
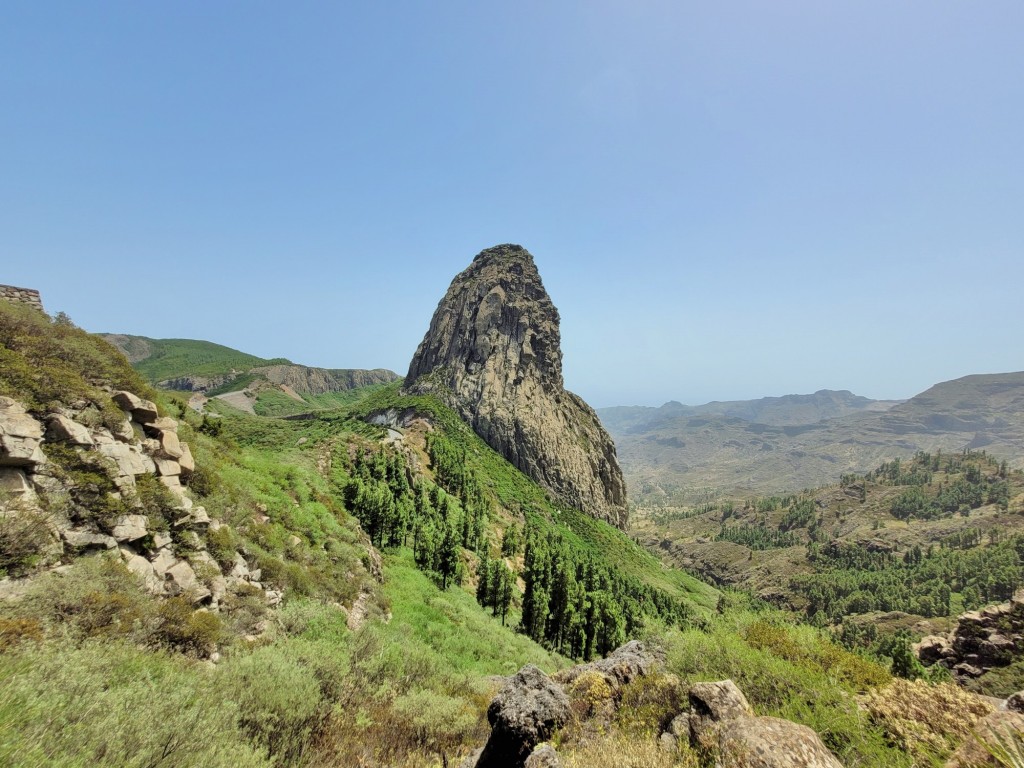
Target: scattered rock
x,y
130,528
143,411
20,436
61,429
83,540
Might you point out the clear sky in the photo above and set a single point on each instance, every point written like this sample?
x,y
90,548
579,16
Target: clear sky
x,y
725,200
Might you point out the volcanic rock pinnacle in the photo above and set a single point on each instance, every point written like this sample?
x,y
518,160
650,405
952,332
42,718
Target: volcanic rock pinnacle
x,y
493,353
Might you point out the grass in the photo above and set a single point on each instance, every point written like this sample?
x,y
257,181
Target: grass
x,y
274,402
170,358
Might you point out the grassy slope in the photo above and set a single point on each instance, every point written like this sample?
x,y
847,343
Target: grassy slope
x,y
274,402
93,671
179,357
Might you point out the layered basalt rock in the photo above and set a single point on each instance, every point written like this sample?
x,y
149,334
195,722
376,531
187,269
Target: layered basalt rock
x,y
493,354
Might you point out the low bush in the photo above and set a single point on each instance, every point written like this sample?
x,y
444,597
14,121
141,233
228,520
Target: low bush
x,y
109,703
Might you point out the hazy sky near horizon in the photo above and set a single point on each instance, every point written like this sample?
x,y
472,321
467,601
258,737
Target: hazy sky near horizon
x,y
725,200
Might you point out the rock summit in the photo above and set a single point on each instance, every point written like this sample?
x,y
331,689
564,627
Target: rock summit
x,y
493,354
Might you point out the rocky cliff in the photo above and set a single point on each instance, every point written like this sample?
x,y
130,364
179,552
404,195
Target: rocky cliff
x,y
493,353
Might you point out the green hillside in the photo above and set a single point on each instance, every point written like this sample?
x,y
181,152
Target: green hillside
x,y
413,565
162,359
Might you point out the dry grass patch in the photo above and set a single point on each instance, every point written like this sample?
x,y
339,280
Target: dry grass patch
x,y
618,750
926,719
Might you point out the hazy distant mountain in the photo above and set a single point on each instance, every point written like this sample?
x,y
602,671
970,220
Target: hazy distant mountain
x,y
798,441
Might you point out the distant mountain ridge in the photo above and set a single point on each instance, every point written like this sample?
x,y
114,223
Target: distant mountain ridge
x,y
678,452
273,387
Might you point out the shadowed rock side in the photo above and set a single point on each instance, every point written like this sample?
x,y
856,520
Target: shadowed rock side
x,y
493,353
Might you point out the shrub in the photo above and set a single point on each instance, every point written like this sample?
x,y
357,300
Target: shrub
x,y
181,628
15,631
279,701
649,703
109,703
25,535
96,597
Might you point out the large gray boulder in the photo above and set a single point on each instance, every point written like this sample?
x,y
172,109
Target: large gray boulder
x,y
768,742
62,429
721,721
525,712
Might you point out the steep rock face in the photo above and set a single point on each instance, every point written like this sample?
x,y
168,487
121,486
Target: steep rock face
x,y
493,353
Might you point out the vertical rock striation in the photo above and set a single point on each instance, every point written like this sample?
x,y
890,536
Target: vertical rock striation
x,y
493,353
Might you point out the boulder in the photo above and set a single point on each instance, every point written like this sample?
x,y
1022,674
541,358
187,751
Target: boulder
x,y
721,721
130,528
20,436
1015,703
61,429
167,467
525,712
932,648
181,579
123,431
714,703
162,424
130,461
186,462
161,539
768,742
14,483
142,568
143,411
82,540
170,446
163,562
543,756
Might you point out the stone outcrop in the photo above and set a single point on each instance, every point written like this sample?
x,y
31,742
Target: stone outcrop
x,y
28,296
20,436
621,667
722,722
319,381
982,640
143,443
719,723
493,354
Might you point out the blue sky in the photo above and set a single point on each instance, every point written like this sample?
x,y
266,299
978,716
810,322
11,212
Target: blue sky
x,y
725,201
